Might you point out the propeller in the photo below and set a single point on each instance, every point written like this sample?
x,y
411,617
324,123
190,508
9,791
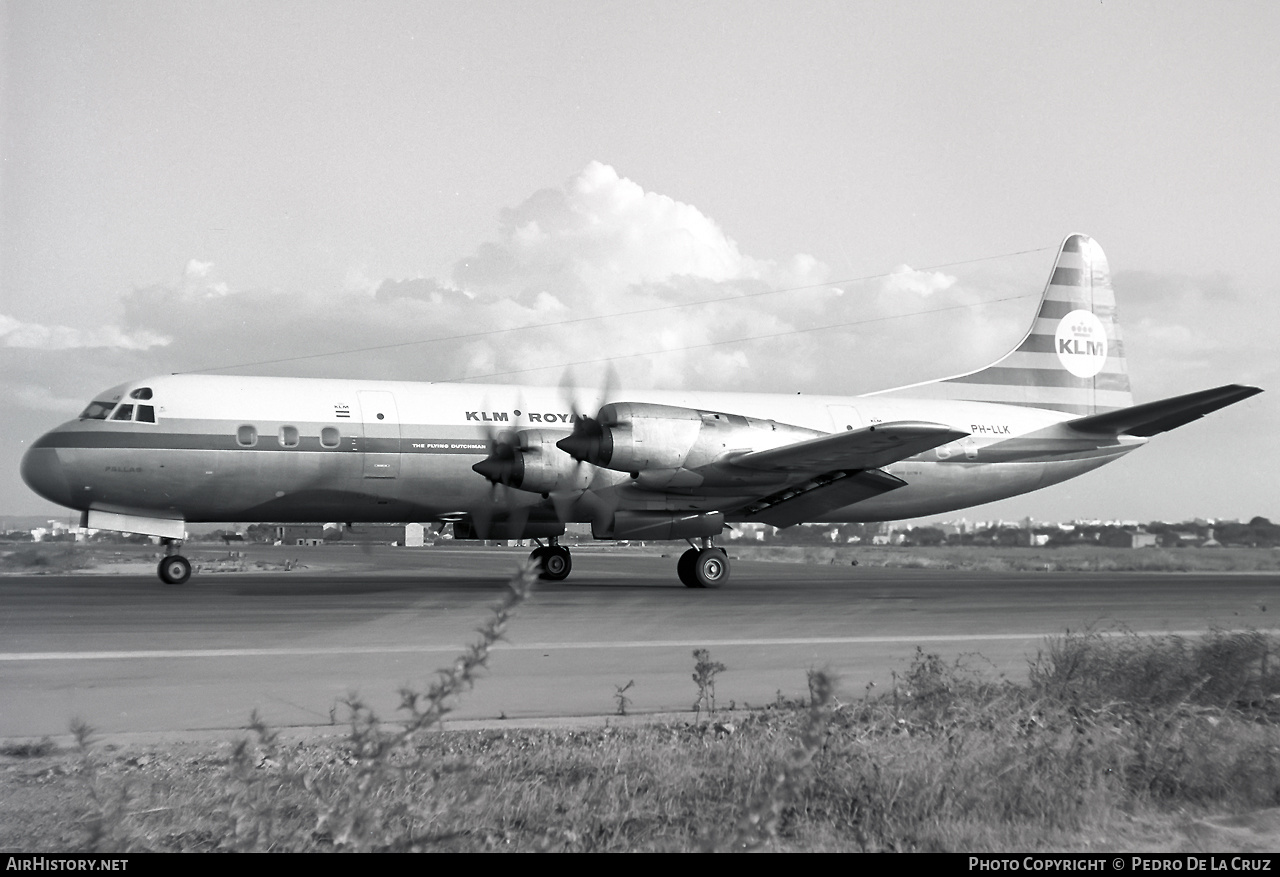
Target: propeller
x,y
601,504
497,508
564,502
590,442
502,468
505,464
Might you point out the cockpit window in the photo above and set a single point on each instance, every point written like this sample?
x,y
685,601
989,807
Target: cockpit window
x,y
146,414
141,393
124,412
97,411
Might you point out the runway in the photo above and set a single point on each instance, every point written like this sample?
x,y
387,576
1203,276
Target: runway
x,y
127,654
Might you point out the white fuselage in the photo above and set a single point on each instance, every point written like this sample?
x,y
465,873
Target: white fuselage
x,y
224,448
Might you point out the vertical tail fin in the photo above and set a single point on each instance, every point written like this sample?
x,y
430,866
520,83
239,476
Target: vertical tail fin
x,y
1071,359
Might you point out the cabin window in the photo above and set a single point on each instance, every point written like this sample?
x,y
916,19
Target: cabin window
x,y
141,393
288,436
247,436
97,411
146,414
124,412
330,437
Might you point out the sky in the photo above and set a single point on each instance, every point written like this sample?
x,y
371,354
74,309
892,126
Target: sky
x,y
878,188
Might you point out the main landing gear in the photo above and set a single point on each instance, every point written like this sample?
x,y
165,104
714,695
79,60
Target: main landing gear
x,y
699,567
705,567
174,568
553,561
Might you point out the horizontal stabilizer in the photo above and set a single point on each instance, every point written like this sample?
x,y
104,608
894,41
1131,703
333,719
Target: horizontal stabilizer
x,y
1151,418
870,447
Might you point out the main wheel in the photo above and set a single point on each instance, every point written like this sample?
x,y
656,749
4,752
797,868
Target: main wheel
x,y
684,568
538,557
711,568
175,569
556,563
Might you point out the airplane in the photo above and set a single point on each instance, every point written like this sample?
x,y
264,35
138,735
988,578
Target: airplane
x,y
520,462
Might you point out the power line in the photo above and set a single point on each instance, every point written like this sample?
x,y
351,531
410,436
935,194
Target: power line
x,y
706,344
632,313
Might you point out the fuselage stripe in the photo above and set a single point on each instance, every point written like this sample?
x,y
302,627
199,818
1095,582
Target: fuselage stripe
x,y
168,441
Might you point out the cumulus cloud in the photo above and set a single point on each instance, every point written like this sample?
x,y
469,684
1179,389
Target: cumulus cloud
x,y
425,289
597,269
906,279
40,398
606,230
37,336
196,280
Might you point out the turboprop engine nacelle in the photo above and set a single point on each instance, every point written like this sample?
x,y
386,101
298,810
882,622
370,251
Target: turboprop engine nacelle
x,y
643,437
529,460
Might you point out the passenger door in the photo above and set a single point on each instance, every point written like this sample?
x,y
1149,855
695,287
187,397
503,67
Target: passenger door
x,y
381,423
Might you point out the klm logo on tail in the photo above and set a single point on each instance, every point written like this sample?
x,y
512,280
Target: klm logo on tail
x,y
1081,344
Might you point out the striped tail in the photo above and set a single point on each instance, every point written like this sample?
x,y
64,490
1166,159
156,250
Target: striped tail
x,y
1072,358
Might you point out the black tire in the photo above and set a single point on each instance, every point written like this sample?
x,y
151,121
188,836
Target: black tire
x,y
684,568
711,567
538,557
175,569
557,563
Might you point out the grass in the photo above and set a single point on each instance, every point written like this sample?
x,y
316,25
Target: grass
x,y
55,557
28,748
1113,742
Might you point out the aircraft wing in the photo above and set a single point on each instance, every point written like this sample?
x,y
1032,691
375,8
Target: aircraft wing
x,y
867,448
1151,418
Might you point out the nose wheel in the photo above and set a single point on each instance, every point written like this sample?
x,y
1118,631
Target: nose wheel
x,y
706,567
175,569
553,561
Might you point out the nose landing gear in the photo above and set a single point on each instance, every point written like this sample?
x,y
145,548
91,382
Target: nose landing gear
x,y
174,568
553,561
705,567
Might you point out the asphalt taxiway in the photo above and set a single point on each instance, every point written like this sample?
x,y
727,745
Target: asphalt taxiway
x,y
127,654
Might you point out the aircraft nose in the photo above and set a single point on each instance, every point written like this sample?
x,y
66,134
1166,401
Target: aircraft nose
x,y
43,472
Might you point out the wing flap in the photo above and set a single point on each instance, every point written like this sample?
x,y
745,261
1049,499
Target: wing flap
x,y
810,501
870,447
1151,418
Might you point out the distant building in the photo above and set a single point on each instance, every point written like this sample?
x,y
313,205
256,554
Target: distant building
x,y
300,534
748,532
412,534
54,530
1140,539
